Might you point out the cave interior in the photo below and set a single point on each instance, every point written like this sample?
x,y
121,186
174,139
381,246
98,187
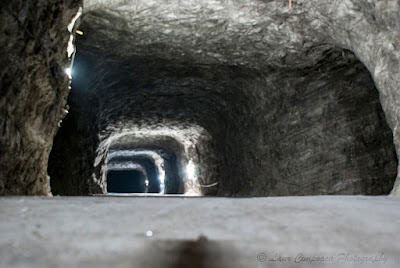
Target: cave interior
x,y
199,133
263,115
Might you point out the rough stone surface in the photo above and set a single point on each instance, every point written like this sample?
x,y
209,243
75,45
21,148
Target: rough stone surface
x,y
34,89
197,232
282,92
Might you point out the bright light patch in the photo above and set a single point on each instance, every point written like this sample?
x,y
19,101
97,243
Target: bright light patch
x,y
149,233
74,19
191,171
70,47
162,178
68,71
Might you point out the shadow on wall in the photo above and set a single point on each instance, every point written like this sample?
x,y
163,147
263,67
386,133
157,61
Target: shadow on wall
x,y
71,159
200,253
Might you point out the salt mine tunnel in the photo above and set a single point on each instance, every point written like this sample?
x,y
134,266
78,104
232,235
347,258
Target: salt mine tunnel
x,y
256,98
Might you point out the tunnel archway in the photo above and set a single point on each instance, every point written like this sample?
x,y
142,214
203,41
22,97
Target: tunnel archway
x,y
152,162
166,151
153,171
301,118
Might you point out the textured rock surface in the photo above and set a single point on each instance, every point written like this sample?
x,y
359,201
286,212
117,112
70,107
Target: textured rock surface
x,y
279,96
290,108
34,89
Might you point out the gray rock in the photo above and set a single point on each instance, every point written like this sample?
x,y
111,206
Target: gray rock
x,y
290,101
34,89
193,232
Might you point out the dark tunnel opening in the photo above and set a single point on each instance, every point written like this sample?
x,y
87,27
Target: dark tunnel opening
x,y
126,181
162,165
148,165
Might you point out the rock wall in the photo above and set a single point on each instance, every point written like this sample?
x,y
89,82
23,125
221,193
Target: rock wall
x,y
313,132
292,101
34,89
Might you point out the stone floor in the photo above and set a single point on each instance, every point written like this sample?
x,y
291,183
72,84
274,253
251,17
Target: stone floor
x,y
112,231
